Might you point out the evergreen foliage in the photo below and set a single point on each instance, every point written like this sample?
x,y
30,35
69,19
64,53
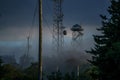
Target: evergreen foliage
x,y
106,53
10,72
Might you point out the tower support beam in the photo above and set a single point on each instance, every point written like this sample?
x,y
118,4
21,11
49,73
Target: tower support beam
x,y
58,37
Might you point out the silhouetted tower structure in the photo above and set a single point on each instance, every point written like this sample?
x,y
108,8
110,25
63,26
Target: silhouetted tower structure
x,y
25,59
76,34
58,29
28,45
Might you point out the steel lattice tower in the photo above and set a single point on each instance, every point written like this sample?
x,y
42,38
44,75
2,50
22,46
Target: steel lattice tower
x,y
58,36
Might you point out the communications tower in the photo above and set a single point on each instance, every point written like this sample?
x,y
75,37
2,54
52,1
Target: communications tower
x,y
58,28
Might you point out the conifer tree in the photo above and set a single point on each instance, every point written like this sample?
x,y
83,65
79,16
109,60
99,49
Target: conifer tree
x,y
107,45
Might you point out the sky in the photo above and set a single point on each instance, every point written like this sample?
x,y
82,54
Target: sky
x,y
17,20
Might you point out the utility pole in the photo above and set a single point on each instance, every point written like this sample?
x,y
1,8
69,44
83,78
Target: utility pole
x,y
58,36
40,40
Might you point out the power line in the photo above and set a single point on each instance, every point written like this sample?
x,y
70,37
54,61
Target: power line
x,y
47,12
47,8
33,19
47,25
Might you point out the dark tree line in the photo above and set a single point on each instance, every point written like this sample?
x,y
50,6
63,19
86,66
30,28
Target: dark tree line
x,y
10,72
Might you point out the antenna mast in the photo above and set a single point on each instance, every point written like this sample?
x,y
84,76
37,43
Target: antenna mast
x,y
58,36
28,44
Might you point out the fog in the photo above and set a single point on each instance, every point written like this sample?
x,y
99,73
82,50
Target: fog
x,y
71,56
